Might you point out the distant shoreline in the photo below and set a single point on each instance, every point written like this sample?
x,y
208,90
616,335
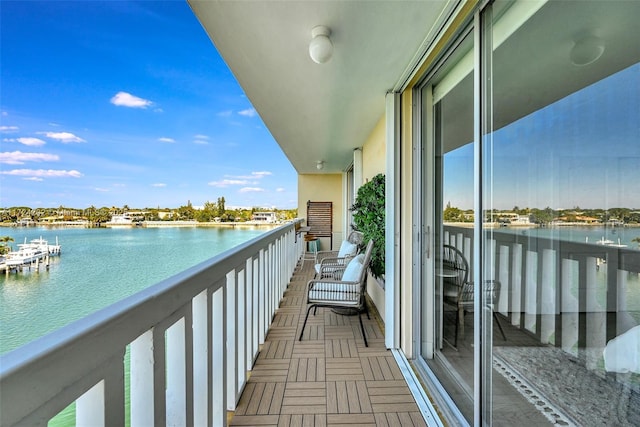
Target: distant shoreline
x,y
150,224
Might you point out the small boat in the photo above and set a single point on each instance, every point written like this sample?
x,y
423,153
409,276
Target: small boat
x,y
607,242
120,220
41,245
23,256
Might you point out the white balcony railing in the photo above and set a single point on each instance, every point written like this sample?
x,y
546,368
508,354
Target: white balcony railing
x,y
568,294
192,338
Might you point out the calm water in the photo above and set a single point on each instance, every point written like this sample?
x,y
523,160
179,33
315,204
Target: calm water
x,y
98,267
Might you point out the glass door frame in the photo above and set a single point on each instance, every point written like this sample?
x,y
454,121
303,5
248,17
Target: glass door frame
x,y
424,163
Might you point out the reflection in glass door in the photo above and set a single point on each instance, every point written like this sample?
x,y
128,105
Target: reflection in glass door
x,y
447,102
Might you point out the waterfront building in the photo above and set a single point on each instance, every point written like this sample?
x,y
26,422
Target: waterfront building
x,y
267,217
483,103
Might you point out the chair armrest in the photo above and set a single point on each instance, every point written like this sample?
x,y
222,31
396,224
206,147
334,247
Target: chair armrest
x,y
333,271
325,254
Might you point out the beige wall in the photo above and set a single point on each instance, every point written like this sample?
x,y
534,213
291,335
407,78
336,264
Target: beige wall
x,y
374,161
323,188
374,151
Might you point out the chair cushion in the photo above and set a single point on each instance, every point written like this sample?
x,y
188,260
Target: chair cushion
x,y
347,249
335,293
353,270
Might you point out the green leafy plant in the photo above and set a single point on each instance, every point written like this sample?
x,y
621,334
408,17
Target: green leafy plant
x,y
368,218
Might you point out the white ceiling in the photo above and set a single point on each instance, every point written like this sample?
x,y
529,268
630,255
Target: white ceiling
x,y
319,111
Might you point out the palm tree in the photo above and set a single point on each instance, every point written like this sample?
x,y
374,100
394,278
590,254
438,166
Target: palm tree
x,y
4,248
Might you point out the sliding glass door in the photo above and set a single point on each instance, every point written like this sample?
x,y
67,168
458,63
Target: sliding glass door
x,y
529,297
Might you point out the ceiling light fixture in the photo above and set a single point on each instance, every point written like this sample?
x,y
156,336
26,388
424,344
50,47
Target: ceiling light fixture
x,y
320,48
320,164
587,50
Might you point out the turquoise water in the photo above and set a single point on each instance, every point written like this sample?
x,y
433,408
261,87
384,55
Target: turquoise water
x,y
98,267
624,235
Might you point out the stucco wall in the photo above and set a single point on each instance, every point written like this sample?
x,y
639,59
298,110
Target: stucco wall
x,y
374,162
374,153
323,188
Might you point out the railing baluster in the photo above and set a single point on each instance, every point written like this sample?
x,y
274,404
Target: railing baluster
x,y
201,349
596,317
570,307
503,277
531,291
548,296
251,350
516,283
176,379
219,359
142,380
232,341
90,407
241,309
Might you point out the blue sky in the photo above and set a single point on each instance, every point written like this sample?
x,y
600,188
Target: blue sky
x,y
117,102
581,151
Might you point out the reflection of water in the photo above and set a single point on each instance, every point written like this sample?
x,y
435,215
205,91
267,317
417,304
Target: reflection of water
x,y
624,235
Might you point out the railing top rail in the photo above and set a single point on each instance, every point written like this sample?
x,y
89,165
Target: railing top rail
x,y
627,259
117,325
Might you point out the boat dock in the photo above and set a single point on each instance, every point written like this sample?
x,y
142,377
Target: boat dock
x,y
33,254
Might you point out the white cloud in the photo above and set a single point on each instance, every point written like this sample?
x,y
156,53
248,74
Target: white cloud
x,y
64,137
200,136
226,113
200,142
42,173
159,185
167,140
8,128
280,190
30,141
251,190
227,182
249,112
102,190
33,178
124,99
19,158
261,174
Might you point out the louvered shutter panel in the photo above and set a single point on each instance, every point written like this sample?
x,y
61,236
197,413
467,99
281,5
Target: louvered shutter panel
x,y
320,219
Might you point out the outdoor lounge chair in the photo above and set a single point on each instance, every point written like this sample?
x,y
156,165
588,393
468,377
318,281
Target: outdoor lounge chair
x,y
459,291
347,292
329,262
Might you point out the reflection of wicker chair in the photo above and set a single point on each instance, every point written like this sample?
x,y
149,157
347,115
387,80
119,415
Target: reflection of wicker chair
x,y
346,292
459,291
330,262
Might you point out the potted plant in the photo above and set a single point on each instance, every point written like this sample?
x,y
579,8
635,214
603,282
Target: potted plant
x,y
369,218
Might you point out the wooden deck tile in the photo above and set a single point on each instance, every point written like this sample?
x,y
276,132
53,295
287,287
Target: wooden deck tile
x,y
329,378
343,369
341,348
303,420
401,419
363,420
308,349
306,369
285,319
304,398
277,349
348,397
255,420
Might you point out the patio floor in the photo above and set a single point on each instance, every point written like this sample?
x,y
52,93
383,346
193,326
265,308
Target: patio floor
x,y
329,378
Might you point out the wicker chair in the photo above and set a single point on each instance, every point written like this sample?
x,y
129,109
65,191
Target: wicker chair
x,y
328,263
346,292
459,291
